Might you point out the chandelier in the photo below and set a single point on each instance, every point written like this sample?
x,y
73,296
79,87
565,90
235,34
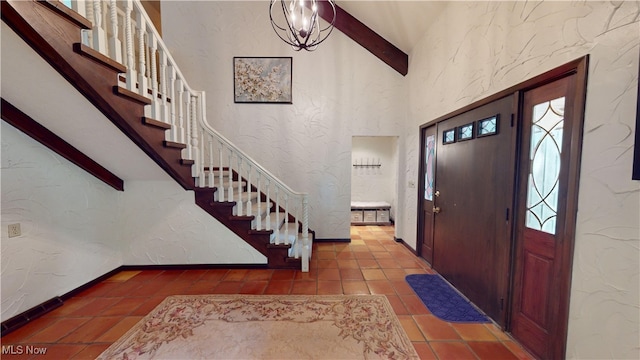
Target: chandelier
x,y
298,25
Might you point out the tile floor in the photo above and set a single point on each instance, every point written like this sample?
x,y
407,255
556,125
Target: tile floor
x,y
373,263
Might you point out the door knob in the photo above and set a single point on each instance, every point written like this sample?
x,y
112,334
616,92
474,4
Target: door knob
x,y
437,193
436,210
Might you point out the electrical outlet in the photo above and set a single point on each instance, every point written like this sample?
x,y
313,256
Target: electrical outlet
x,y
14,230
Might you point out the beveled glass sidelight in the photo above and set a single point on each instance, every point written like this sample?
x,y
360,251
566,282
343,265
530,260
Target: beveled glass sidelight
x,y
488,126
430,164
465,132
449,136
544,171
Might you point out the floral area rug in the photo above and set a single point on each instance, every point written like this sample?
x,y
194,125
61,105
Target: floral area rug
x,y
266,327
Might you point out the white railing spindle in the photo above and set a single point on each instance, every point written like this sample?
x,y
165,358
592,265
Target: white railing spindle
x,y
114,41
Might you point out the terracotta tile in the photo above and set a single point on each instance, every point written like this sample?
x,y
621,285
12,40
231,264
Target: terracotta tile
x,y
517,350
376,247
304,288
424,351
146,307
57,351
363,255
382,287
191,276
123,307
373,274
312,275
326,264
351,274
329,287
99,290
253,287
328,274
279,287
91,351
173,288
414,304
495,330
355,288
26,331
259,275
435,329
345,255
128,288
201,288
388,264
359,248
411,328
169,275
489,350
91,330
124,275
227,287
95,307
402,288
57,330
325,247
348,264
285,274
368,264
398,305
235,275
214,275
474,332
150,288
382,255
146,275
395,274
452,350
326,255
119,329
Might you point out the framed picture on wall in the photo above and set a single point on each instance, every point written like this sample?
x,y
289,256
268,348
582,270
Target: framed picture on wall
x,y
636,146
262,80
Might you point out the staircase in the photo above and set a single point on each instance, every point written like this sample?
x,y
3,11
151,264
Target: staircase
x,y
111,53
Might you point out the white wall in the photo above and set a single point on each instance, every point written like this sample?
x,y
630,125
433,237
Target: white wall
x,y
375,183
476,49
68,220
339,90
162,225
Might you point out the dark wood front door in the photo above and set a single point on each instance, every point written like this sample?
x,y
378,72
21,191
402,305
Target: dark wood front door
x,y
427,191
472,230
551,138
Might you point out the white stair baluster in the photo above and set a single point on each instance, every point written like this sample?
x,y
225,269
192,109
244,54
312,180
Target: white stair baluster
x,y
267,218
130,53
172,105
230,191
142,67
239,209
259,215
99,36
306,251
187,122
155,104
220,174
249,204
197,166
212,176
164,110
286,219
277,229
180,100
115,45
87,35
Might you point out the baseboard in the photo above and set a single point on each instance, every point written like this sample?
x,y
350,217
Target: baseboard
x,y
35,312
193,267
332,240
414,252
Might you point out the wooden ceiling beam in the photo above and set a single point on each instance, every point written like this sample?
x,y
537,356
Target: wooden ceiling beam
x,y
366,37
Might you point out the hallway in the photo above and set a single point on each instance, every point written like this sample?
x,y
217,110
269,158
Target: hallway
x,y
373,263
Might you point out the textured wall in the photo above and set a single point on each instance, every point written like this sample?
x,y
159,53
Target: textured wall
x,y
162,225
479,48
68,220
375,183
340,90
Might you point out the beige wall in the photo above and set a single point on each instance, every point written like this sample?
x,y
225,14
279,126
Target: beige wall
x,y
476,49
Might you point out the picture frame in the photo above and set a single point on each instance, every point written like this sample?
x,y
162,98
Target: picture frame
x,y
635,171
262,80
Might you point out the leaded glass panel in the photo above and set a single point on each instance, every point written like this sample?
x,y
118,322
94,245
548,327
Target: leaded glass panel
x,y
544,173
429,163
465,132
449,136
488,126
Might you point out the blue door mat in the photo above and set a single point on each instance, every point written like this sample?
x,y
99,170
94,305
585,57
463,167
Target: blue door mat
x,y
443,300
